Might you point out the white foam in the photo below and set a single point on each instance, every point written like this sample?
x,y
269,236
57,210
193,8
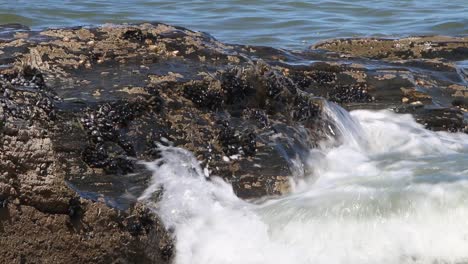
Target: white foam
x,y
396,193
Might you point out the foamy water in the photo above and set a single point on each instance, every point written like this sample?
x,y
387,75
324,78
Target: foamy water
x,y
385,191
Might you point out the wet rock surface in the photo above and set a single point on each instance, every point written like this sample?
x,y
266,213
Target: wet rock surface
x,y
424,47
80,106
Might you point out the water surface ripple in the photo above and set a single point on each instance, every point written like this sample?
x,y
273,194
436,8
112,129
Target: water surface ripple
x,y
285,24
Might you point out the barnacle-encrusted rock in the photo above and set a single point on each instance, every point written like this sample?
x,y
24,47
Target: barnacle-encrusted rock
x,y
80,106
42,219
435,47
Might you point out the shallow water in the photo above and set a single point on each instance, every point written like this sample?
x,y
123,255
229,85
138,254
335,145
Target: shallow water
x,y
386,191
285,24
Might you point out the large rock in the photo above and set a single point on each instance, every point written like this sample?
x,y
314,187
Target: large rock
x,y
42,220
79,107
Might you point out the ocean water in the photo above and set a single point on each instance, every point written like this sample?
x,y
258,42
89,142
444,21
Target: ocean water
x,y
285,24
390,192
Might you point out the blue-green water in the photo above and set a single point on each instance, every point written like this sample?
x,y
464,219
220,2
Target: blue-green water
x,y
286,24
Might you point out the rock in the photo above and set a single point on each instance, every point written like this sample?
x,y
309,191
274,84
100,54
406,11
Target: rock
x,y
432,47
438,118
92,233
79,107
41,218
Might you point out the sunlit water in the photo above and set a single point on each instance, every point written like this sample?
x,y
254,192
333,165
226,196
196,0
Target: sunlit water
x,y
386,191
286,24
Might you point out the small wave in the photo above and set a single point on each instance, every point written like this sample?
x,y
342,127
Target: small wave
x,y
386,199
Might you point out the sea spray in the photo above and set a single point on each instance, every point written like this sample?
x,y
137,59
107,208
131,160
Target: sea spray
x,y
392,193
211,224
345,128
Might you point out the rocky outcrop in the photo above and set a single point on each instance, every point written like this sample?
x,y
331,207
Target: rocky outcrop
x,y
79,107
430,47
92,233
43,220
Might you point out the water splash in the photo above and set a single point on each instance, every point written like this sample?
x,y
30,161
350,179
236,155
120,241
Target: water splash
x,y
392,192
346,129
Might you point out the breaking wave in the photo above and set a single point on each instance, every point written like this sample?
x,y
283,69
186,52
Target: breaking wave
x,y
385,191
